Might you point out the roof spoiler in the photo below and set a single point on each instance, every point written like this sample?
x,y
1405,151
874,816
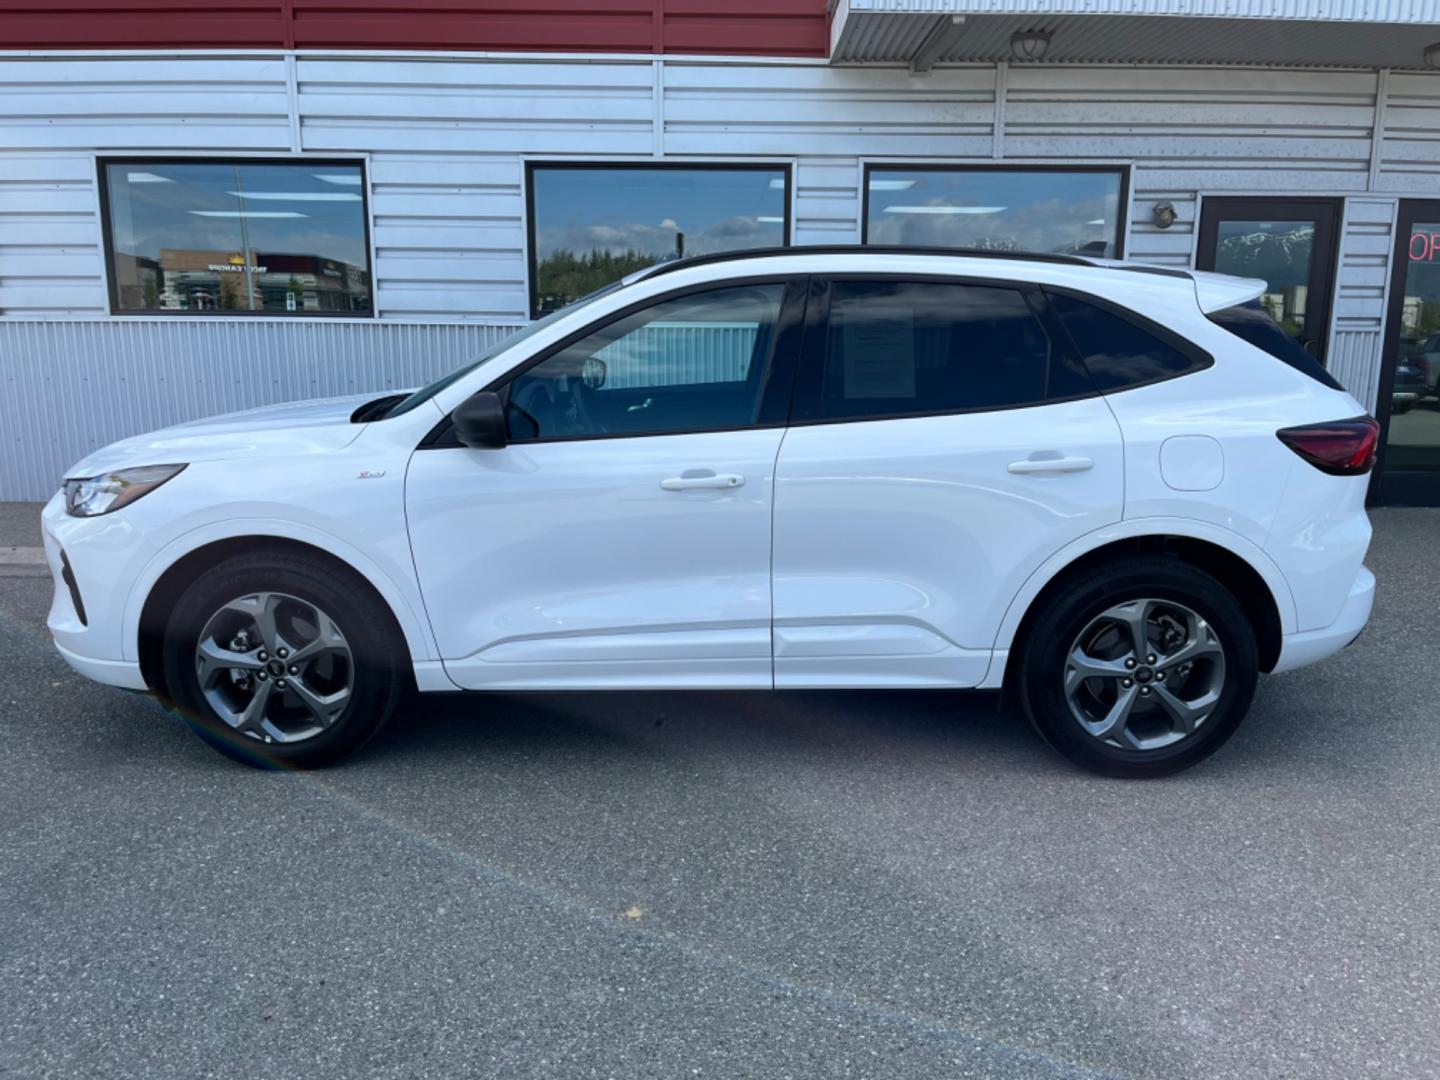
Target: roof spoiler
x,y
1216,292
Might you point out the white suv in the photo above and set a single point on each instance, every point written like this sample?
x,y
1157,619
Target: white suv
x,y
1118,492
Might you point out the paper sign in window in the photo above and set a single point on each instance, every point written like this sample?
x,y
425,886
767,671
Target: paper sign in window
x,y
878,347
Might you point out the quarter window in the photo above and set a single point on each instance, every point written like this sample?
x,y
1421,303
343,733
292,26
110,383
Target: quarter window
x,y
695,362
1117,352
228,237
593,224
1005,209
914,347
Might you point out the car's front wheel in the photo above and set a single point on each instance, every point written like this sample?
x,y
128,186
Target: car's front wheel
x,y
1140,669
281,659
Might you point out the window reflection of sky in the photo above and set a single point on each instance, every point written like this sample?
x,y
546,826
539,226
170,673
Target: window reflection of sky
x,y
641,210
310,209
1024,210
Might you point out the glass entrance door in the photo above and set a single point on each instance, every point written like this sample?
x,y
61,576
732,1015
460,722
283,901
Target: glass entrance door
x,y
1410,385
1290,243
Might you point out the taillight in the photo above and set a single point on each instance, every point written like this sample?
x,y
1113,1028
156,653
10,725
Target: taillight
x,y
1340,448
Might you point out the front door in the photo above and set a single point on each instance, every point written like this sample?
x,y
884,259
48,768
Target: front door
x,y
945,443
1409,399
1290,244
622,538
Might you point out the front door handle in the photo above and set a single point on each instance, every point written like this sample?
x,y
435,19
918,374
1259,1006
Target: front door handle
x,y
702,479
1056,464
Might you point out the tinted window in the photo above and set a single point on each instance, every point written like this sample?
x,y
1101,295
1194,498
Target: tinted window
x,y
594,225
1254,324
1065,210
896,347
694,362
218,237
1119,353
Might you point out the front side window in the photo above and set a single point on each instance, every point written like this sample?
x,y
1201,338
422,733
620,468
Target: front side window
x,y
692,363
1074,211
913,347
1118,353
230,237
591,225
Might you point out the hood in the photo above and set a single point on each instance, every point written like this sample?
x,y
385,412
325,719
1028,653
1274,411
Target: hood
x,y
297,427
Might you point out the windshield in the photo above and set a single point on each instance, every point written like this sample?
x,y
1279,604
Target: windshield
x,y
425,393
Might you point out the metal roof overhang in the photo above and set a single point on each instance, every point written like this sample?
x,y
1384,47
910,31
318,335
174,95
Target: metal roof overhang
x,y
1282,33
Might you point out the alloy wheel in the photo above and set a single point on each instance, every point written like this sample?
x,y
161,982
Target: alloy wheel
x,y
274,667
1144,674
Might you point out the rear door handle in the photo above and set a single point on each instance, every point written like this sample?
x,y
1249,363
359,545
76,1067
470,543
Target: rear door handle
x,y
1056,464
699,480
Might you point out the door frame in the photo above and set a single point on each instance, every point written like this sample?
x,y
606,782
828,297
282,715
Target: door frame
x,y
1326,212
1411,487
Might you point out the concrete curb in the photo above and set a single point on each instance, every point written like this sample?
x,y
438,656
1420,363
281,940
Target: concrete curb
x,y
23,562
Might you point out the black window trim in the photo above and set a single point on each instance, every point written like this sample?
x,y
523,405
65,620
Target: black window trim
x,y
806,402
112,290
1122,210
1200,357
777,382
532,273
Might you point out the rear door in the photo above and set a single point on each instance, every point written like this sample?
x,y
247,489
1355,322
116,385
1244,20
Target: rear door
x,y
944,443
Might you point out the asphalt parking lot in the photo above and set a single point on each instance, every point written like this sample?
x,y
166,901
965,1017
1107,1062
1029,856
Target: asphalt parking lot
x,y
728,885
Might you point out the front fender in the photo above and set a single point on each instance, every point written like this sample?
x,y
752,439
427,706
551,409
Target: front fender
x,y
402,594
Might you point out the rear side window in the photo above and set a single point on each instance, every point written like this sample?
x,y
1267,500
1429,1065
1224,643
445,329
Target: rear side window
x,y
1119,352
1250,322
911,347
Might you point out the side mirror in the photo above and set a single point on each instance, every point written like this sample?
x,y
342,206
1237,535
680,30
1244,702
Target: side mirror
x,y
480,421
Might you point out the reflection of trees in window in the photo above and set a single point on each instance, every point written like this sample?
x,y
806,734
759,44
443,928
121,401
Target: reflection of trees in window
x,y
564,276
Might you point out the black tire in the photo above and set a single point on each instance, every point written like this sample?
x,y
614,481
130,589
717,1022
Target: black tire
x,y
1400,408
376,662
1040,675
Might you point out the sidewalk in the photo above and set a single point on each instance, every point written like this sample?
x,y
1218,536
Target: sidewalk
x,y
20,552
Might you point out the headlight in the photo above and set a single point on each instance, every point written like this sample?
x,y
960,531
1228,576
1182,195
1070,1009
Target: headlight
x,y
97,495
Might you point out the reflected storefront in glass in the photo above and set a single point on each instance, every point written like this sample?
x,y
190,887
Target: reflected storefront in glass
x,y
229,237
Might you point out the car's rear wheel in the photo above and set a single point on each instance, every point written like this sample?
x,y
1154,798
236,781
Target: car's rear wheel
x,y
1140,669
282,659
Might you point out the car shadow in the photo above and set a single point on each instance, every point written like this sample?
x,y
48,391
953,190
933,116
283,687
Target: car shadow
x,y
979,727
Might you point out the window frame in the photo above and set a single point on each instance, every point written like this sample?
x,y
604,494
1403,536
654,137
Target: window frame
x,y
532,269
112,290
1122,169
1199,355
809,385
777,384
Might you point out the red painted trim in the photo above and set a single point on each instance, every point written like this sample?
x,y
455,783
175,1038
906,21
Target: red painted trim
x,y
733,27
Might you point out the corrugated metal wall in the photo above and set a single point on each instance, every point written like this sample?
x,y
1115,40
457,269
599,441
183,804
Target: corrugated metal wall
x,y
67,388
447,139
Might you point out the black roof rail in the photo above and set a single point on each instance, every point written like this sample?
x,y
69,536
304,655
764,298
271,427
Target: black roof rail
x,y
859,249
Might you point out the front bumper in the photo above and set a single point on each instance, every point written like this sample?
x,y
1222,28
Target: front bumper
x,y
105,555
1301,649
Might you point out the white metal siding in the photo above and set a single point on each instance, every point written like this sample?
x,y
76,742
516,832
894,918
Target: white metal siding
x,y
67,388
1358,323
777,109
447,138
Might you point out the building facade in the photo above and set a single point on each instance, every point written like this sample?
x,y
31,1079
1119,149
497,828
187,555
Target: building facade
x,y
225,205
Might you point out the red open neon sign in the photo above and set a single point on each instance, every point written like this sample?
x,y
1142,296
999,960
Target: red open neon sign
x,y
1424,246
